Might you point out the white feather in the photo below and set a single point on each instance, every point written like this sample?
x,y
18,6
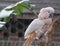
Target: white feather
x,y
35,25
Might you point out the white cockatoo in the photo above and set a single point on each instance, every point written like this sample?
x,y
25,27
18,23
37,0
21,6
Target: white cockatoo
x,y
39,26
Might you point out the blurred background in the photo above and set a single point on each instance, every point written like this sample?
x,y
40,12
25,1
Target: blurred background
x,y
13,33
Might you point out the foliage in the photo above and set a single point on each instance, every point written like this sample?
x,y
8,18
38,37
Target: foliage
x,y
16,8
20,6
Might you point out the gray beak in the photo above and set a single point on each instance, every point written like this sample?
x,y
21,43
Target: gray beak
x,y
51,15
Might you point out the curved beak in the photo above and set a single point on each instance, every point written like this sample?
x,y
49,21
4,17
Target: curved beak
x,y
51,16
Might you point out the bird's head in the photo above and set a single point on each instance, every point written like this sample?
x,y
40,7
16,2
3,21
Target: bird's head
x,y
50,10
45,12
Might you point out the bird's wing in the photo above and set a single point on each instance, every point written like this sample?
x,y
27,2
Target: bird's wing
x,y
34,26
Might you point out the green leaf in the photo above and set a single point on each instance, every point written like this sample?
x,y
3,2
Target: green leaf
x,y
20,6
18,9
4,13
6,19
10,7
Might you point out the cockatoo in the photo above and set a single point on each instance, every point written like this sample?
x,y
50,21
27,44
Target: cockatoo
x,y
38,26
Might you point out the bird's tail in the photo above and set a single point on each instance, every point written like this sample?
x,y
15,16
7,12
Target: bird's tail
x,y
28,42
30,39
